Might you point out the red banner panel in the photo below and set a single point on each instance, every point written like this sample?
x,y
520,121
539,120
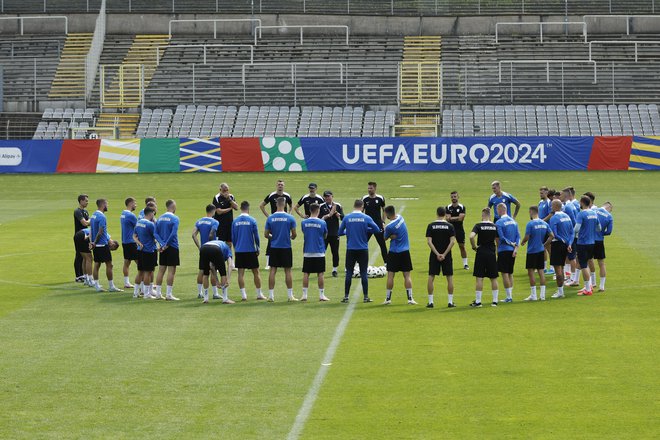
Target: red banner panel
x,y
241,154
79,156
610,153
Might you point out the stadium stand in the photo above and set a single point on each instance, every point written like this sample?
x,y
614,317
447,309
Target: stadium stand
x,y
551,120
69,80
357,7
56,123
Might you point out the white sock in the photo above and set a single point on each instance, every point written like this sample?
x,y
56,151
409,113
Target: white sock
x,y
388,294
602,283
496,294
465,263
289,293
149,288
560,289
271,293
593,279
334,269
533,295
450,298
126,281
545,265
321,293
259,291
576,276
243,293
96,284
169,290
141,287
478,296
215,290
206,293
159,290
567,268
200,289
111,284
587,284
304,294
225,294
136,290
509,292
542,292
409,294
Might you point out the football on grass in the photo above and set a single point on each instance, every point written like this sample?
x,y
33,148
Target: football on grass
x,y
114,244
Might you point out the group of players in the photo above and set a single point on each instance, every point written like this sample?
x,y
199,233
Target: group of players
x,y
565,232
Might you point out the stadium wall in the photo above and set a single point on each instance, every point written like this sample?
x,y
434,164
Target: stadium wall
x,y
119,24
329,154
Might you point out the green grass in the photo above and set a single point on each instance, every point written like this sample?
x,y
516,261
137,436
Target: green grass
x,y
76,364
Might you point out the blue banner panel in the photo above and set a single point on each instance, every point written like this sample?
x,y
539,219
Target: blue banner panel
x,y
28,156
447,154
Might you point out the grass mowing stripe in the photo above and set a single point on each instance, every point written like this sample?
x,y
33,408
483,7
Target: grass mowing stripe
x,y
310,398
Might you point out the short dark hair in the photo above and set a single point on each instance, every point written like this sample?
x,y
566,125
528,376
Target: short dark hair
x,y
151,205
81,197
149,199
453,192
99,202
128,200
281,201
245,205
551,193
169,203
148,210
210,208
314,207
441,211
372,183
591,196
572,190
585,200
534,209
358,204
389,210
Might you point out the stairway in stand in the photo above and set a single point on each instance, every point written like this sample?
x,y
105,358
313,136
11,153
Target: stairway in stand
x,y
126,124
420,86
69,80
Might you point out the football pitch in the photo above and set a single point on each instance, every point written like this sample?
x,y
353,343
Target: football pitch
x,y
80,364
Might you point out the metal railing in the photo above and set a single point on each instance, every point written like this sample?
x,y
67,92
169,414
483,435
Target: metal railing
x,y
93,57
259,28
121,85
540,24
635,43
203,46
215,22
547,66
27,79
419,82
13,43
40,18
369,7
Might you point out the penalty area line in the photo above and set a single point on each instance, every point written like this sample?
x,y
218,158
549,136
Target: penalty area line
x,y
313,392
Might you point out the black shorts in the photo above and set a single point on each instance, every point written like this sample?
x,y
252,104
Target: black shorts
x,y
558,253
102,254
505,261
572,255
246,260
399,262
313,265
130,251
147,261
485,265
224,232
460,233
535,260
585,252
170,257
280,257
445,266
212,254
81,244
599,250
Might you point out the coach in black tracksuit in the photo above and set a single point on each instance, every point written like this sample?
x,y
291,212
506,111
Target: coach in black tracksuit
x,y
332,213
373,207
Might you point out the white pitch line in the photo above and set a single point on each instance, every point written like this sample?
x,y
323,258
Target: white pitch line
x,y
313,392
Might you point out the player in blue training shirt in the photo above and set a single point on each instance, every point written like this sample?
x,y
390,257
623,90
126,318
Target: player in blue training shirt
x,y
507,250
586,228
280,230
167,228
357,227
606,224
128,221
149,201
245,237
315,232
538,235
570,269
146,239
100,243
500,196
562,229
398,257
213,256
206,229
